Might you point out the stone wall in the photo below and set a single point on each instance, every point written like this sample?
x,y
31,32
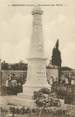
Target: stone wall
x,y
52,74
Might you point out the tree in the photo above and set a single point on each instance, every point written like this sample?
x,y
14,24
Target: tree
x,y
56,55
4,65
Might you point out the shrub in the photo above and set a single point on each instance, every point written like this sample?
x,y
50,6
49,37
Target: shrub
x,y
44,98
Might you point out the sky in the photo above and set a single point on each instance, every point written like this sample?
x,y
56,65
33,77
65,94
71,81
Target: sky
x,y
16,29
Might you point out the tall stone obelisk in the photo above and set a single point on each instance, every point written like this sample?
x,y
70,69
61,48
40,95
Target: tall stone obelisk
x,y
36,74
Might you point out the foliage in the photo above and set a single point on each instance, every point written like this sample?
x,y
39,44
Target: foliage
x,y
65,111
40,92
44,98
14,66
64,92
56,55
13,85
59,89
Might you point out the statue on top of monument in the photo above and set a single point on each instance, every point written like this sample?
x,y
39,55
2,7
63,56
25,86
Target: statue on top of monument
x,y
56,55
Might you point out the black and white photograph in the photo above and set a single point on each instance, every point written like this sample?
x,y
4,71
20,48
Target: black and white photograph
x,y
37,58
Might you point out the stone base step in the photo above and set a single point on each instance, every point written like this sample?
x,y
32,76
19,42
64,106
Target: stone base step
x,y
16,100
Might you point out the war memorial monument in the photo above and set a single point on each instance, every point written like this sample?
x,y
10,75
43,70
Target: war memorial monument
x,y
36,75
